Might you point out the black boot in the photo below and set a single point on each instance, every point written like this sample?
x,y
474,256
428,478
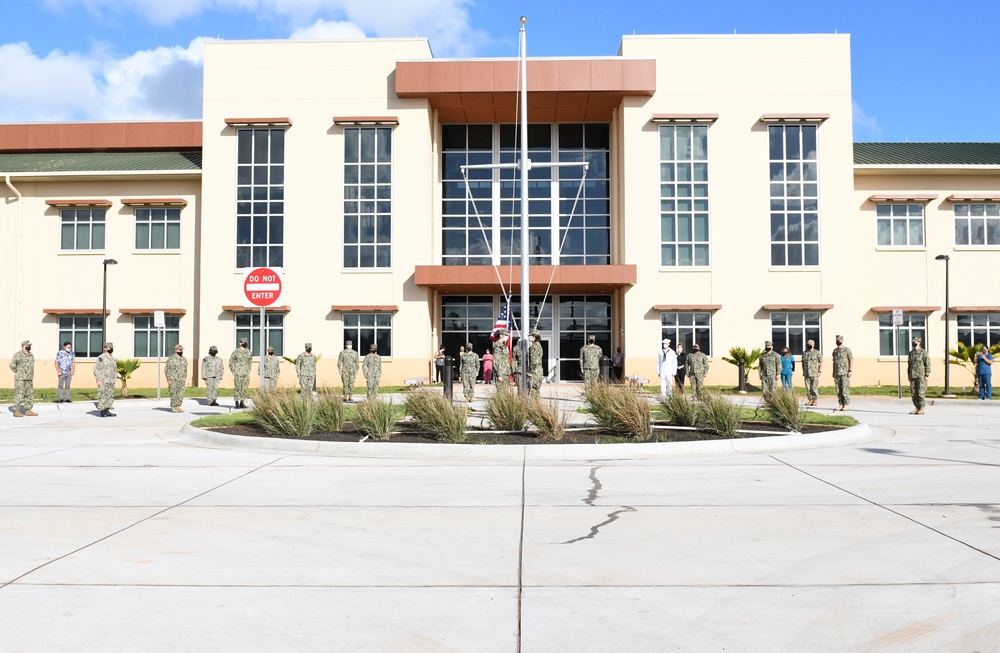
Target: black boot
x,y
105,412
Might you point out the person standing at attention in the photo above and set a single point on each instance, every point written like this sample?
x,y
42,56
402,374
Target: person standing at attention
x,y
22,363
305,367
106,373
590,360
843,366
65,369
488,367
618,364
787,369
666,369
176,372
984,372
239,365
470,370
769,368
372,369
438,364
212,371
697,365
682,369
348,362
812,368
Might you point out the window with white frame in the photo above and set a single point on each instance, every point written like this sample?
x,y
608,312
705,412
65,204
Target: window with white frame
x,y
368,197
794,192
248,326
684,195
146,337
687,329
82,230
900,225
85,334
889,343
157,228
975,329
260,198
977,224
794,329
364,329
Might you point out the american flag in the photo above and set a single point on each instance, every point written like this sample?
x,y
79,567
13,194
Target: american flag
x,y
503,322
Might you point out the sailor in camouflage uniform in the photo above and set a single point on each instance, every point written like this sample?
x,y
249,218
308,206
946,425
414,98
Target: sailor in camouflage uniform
x,y
812,367
470,370
212,371
843,365
272,369
501,360
590,361
372,369
305,367
239,365
769,367
348,362
697,367
176,372
918,368
535,373
106,373
22,363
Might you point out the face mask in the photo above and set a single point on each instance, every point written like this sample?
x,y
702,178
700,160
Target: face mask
x,y
840,342
308,349
767,348
28,348
67,349
111,351
350,346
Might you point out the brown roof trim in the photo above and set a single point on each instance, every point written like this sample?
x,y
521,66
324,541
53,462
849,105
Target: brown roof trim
x,y
905,309
685,117
974,309
797,307
482,279
150,311
92,202
366,120
240,308
361,308
795,117
74,311
687,307
147,201
903,197
101,136
974,197
259,122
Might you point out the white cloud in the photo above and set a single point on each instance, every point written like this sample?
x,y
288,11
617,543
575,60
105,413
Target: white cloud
x,y
323,30
866,127
53,87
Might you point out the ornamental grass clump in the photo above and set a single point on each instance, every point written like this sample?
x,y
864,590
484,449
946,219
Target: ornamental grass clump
x,y
285,413
376,418
783,409
435,413
680,410
720,415
506,409
622,410
547,418
330,412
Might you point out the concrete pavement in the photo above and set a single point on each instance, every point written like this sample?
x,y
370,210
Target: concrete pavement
x,y
137,534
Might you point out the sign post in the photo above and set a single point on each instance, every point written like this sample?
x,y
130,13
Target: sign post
x,y
897,320
262,287
160,324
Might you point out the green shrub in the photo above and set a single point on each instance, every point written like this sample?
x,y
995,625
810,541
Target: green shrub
x,y
547,418
506,409
126,366
376,418
329,411
286,413
620,409
435,413
783,409
680,410
720,415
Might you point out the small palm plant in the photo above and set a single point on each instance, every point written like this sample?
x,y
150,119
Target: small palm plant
x,y
749,358
126,366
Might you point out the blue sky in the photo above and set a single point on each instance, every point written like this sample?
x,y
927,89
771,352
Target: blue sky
x,y
922,70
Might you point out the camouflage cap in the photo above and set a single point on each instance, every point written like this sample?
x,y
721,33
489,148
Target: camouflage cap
x,y
243,341
767,343
534,332
213,350
178,346
811,342
839,337
591,339
373,347
25,343
109,345
918,341
309,345
349,342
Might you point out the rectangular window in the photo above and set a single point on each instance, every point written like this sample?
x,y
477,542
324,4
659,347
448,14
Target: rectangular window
x,y
794,193
248,326
157,228
684,196
977,224
975,329
464,320
792,330
687,329
260,198
82,229
368,197
900,225
84,333
146,337
584,223
581,316
914,326
367,328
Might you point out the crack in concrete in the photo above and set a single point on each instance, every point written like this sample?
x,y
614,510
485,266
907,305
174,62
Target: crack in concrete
x,y
595,486
612,516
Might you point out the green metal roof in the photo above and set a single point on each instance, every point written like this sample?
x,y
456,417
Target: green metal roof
x,y
99,162
915,154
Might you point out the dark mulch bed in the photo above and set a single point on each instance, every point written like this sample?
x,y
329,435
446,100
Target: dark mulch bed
x,y
407,433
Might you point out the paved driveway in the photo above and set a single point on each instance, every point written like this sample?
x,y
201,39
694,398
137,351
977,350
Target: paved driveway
x,y
135,534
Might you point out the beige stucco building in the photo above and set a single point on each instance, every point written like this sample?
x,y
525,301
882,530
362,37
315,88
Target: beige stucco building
x,y
724,201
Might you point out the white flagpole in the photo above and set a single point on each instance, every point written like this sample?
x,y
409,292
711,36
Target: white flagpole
x,y
525,167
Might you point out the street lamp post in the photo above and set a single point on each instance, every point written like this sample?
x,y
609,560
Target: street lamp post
x,y
947,310
104,306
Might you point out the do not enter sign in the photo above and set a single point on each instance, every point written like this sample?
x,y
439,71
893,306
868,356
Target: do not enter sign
x,y
262,287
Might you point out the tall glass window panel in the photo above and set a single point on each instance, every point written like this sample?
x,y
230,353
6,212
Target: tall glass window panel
x,y
84,333
248,326
687,329
900,225
467,214
684,202
540,202
794,329
82,229
890,341
146,337
365,329
260,198
794,195
157,228
584,223
581,316
975,329
977,224
467,319
368,197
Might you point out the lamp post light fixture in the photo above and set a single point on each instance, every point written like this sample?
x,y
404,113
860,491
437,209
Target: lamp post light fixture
x,y
947,310
104,306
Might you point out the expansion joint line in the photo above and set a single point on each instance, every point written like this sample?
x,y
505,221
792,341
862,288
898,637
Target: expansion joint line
x,y
520,549
886,508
